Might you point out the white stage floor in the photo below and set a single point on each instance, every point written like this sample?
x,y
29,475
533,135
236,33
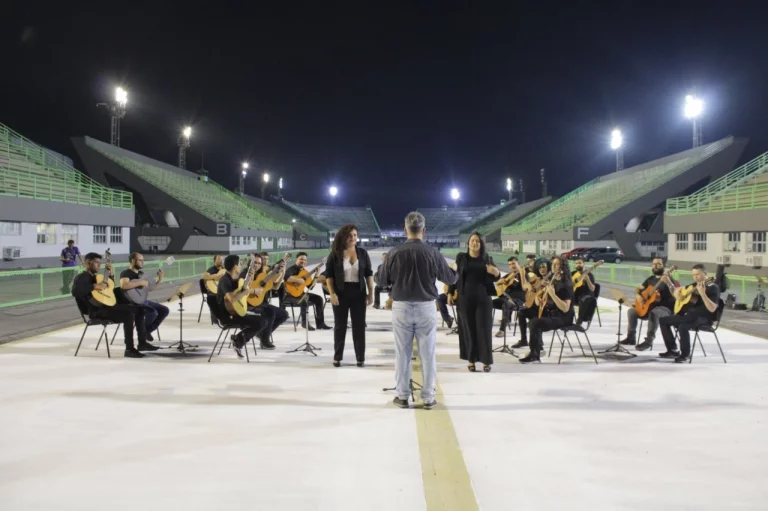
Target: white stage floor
x,y
289,431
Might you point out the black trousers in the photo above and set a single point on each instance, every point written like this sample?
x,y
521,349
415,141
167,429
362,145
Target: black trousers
x,y
546,324
273,316
684,325
128,315
523,317
442,300
506,306
351,303
251,325
587,308
476,329
377,294
317,303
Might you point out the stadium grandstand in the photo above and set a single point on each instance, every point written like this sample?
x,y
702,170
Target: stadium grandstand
x,y
624,209
443,223
336,216
724,222
308,232
179,211
47,202
490,222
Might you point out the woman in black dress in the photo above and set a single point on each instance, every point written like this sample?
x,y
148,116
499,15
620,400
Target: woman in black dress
x,y
475,285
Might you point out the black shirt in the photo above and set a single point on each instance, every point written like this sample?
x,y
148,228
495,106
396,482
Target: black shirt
x,y
516,287
131,275
412,269
213,270
82,287
292,271
667,298
564,292
334,269
584,289
226,285
475,277
699,309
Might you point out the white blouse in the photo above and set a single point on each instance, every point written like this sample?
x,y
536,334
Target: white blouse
x,y
351,271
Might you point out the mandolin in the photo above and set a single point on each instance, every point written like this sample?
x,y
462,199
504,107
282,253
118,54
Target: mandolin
x,y
105,297
296,290
580,276
139,295
651,296
266,282
239,306
689,294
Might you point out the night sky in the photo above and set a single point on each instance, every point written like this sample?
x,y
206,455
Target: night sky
x,y
395,104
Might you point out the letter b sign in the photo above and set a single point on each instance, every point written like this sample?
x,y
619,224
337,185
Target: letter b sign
x,y
222,229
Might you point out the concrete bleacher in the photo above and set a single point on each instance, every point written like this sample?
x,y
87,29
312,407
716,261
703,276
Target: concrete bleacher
x,y
602,196
743,189
286,217
447,221
496,223
337,216
29,171
206,197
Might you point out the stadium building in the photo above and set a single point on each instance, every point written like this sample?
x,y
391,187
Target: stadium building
x,y
334,217
724,222
46,202
622,210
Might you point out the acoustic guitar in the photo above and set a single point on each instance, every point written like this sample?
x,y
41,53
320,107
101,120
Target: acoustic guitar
x,y
239,305
139,295
651,295
213,285
530,296
689,295
105,297
265,281
504,282
541,294
296,290
580,276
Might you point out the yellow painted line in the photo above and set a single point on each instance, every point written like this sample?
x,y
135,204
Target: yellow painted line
x,y
447,485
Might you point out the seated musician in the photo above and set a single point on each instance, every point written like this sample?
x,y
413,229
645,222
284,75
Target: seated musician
x,y
216,271
530,263
379,288
559,308
252,323
274,316
314,299
584,296
82,287
513,297
695,315
530,281
154,313
442,302
278,290
662,309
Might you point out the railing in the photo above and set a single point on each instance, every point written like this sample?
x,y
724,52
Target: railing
x,y
726,193
20,287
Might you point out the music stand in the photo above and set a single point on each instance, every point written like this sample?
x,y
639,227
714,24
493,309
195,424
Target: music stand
x,y
505,348
179,295
412,385
618,348
307,346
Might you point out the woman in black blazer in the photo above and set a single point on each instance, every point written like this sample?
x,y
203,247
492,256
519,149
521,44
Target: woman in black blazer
x,y
349,277
476,277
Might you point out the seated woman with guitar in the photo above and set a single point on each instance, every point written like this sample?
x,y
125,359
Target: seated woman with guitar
x,y
531,282
701,301
510,294
555,307
95,296
653,301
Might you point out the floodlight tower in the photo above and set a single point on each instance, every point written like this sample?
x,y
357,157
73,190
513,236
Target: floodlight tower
x,y
280,187
186,133
243,173
264,184
543,184
617,144
522,192
116,109
333,191
455,195
693,109
509,188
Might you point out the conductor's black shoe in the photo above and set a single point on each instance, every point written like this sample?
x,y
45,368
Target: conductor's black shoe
x,y
629,341
450,323
428,405
149,337
323,326
645,345
670,354
145,346
310,327
376,306
682,358
402,403
520,344
360,364
132,353
530,358
267,346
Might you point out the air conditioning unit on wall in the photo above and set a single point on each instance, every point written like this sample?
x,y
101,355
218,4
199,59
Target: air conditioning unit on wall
x,y
755,261
725,259
11,253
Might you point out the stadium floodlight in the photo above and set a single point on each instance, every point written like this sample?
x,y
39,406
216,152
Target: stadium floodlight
x,y
280,183
617,144
266,177
243,172
455,194
187,131
333,192
693,109
509,188
121,97
183,146
293,220
116,109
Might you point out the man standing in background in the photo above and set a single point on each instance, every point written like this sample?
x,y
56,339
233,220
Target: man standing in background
x,y
67,258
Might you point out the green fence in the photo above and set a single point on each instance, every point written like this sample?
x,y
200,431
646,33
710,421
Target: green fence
x,y
745,287
33,286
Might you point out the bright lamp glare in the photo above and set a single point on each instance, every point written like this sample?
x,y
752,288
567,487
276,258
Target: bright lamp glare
x,y
694,107
616,139
293,220
244,173
509,184
333,191
455,194
245,165
280,183
121,96
266,177
187,132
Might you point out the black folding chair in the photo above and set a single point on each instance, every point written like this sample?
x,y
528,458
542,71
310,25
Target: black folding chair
x,y
224,329
204,293
712,329
104,323
576,330
597,306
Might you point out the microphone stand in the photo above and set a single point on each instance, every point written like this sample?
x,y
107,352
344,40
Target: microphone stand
x,y
179,293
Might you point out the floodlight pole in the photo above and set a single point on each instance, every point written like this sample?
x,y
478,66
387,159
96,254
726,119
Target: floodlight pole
x,y
183,145
619,159
696,132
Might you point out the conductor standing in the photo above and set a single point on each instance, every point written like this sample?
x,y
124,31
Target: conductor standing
x,y
411,270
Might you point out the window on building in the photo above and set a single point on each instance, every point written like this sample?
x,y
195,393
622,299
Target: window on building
x,y
732,242
46,234
10,228
682,241
115,234
756,242
699,241
236,240
100,234
68,232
